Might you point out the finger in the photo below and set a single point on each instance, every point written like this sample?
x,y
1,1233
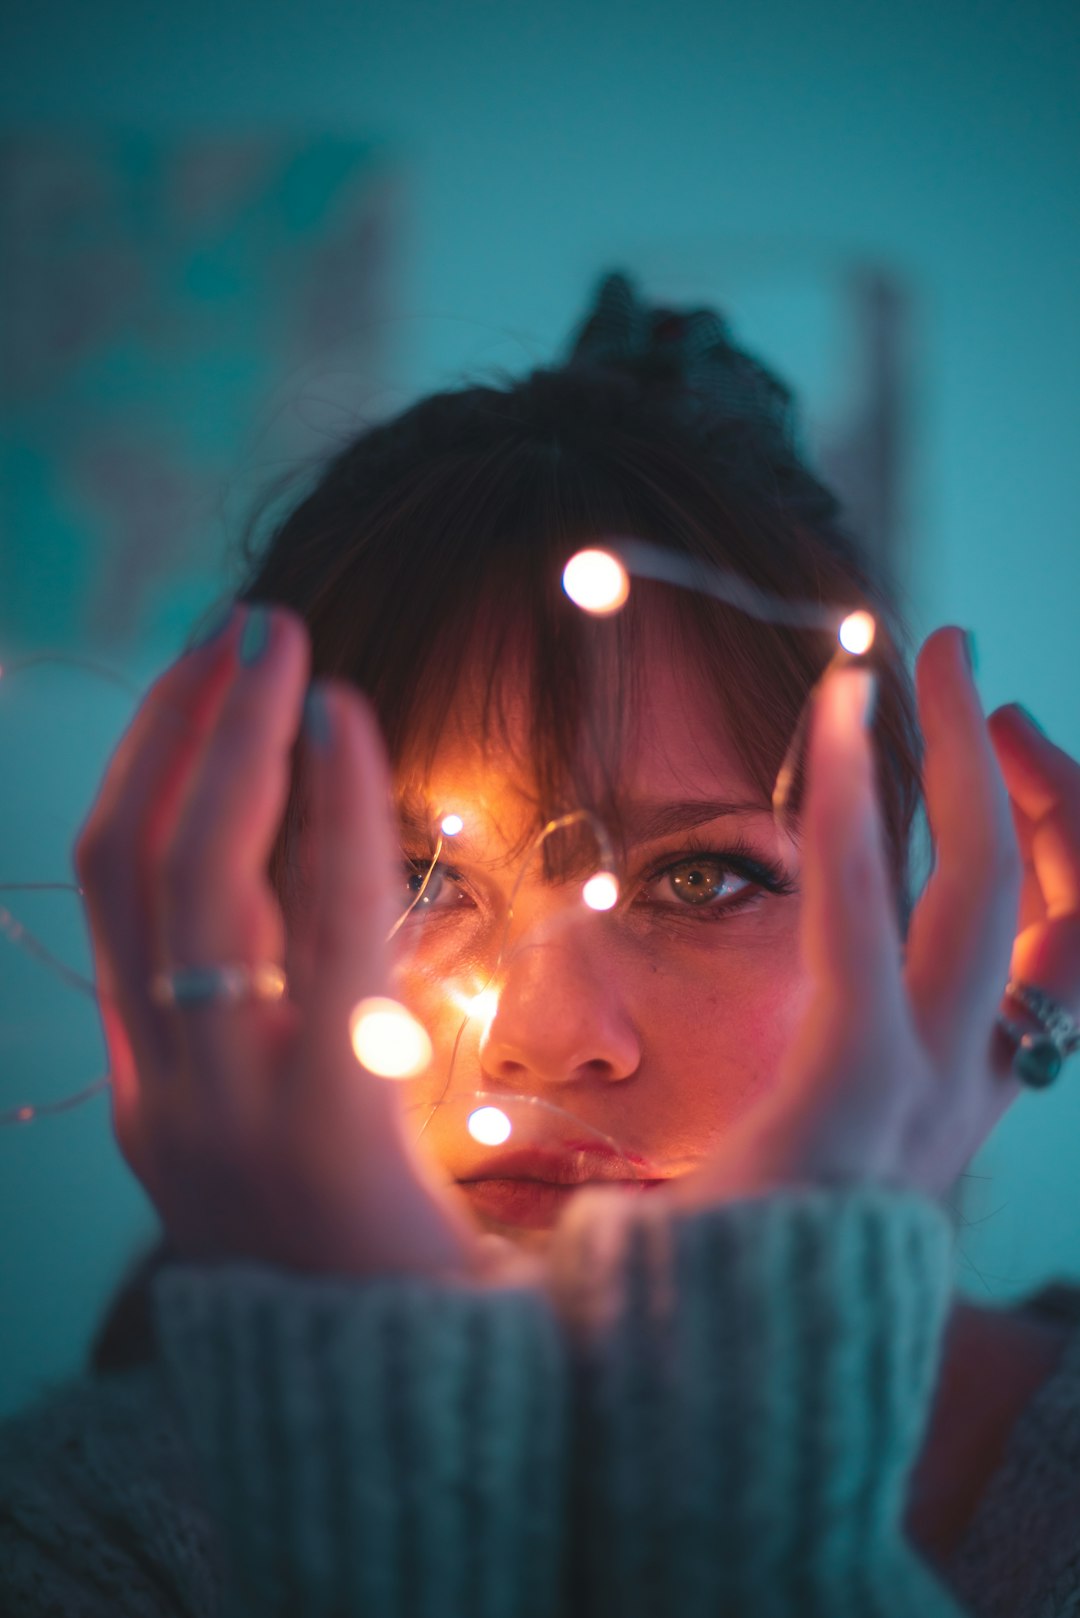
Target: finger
x,y
962,929
214,899
357,877
1032,904
219,846
848,921
116,843
298,884
1045,783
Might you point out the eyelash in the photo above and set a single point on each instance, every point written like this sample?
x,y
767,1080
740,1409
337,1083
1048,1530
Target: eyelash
x,y
737,858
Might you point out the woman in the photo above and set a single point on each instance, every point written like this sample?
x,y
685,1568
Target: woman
x,y
748,1389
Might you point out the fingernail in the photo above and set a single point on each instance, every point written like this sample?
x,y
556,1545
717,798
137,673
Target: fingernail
x,y
971,651
1030,717
316,718
256,636
218,621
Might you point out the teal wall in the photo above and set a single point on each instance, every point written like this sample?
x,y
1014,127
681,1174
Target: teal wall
x,y
545,143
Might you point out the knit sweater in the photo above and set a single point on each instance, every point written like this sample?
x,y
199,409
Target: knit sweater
x,y
714,1413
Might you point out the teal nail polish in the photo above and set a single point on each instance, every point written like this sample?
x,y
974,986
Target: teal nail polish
x,y
316,718
1030,717
256,636
218,621
971,650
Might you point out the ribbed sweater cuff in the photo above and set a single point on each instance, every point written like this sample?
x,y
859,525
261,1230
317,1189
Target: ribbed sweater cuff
x,y
388,1446
754,1382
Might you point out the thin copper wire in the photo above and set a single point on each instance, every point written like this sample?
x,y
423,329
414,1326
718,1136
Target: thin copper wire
x,y
642,560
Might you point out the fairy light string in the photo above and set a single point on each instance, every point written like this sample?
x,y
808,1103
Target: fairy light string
x,y
607,861
387,1039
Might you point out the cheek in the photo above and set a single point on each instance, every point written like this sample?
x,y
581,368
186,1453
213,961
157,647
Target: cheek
x,y
719,1029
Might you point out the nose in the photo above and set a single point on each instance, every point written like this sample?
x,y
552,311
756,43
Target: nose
x,y
561,1017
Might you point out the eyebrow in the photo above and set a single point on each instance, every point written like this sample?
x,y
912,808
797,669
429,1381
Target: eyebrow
x,y
644,819
647,819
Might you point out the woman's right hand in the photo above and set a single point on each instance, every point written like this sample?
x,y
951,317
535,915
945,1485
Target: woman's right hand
x,y
252,1126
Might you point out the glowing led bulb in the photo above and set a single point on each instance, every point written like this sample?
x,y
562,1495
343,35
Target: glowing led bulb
x,y
857,632
601,891
388,1040
483,1006
452,824
489,1125
596,582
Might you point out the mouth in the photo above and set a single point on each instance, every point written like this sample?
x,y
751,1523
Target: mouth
x,y
529,1189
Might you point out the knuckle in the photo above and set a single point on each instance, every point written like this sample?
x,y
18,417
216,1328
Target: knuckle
x,y
179,868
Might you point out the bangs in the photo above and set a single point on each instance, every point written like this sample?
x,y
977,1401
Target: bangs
x,y
501,632
428,562
547,695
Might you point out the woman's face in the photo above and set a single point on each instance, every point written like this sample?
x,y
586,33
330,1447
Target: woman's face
x,y
657,1023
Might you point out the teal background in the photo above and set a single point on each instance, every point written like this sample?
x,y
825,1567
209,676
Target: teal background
x,y
706,148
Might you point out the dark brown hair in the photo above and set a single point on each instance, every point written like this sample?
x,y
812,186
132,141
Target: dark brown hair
x,y
432,545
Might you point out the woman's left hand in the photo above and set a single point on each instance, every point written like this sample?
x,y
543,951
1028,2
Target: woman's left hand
x,y
897,1073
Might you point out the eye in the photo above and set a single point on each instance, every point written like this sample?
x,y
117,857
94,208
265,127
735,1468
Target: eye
x,y
713,883
698,882
434,894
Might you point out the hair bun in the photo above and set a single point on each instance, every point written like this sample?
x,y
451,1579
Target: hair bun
x,y
720,384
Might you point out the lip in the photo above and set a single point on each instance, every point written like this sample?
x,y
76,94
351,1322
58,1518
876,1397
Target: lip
x,y
567,1164
530,1187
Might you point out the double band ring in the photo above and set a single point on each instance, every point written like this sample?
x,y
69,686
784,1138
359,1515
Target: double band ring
x,y
213,985
1039,1053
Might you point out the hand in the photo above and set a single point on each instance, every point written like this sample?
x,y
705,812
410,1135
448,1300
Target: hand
x,y
252,1126
896,1074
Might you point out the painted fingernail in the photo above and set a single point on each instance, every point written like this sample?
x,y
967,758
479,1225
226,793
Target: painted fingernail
x,y
256,636
971,651
316,718
1030,717
216,624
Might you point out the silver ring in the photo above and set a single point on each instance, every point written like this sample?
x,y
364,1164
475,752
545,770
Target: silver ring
x,y
1050,1013
1040,1053
212,985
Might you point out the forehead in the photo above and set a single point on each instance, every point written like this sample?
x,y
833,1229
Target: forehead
x,y
675,743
